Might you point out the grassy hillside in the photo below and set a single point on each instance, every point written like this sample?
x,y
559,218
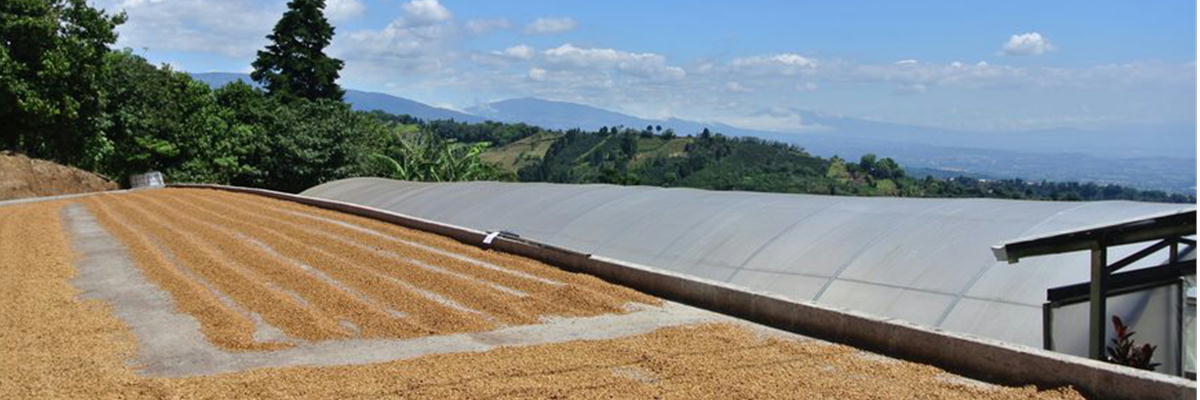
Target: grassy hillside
x,y
530,150
521,153
654,147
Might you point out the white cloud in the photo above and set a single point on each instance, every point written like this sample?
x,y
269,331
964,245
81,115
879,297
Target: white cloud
x,y
403,45
736,87
480,26
175,65
230,28
420,41
545,26
785,64
537,74
642,83
911,88
520,51
775,118
427,10
1026,44
782,59
906,62
642,64
342,10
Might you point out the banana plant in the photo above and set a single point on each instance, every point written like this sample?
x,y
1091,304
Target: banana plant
x,y
421,156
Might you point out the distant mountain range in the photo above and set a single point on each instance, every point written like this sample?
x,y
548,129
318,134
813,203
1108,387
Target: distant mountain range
x,y
563,115
1178,141
1145,157
358,99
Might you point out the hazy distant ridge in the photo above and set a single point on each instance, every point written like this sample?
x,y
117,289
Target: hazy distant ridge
x,y
1152,158
358,99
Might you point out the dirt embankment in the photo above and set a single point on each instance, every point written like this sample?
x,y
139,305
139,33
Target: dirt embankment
x,y
22,177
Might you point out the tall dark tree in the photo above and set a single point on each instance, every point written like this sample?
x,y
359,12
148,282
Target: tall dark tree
x,y
294,65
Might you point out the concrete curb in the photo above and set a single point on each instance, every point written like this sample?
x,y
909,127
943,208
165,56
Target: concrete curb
x,y
975,357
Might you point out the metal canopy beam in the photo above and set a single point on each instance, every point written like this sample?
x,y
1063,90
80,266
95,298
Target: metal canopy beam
x,y
1132,258
1124,281
1149,228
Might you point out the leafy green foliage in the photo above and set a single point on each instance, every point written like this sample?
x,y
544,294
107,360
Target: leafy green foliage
x,y
495,133
415,155
294,65
52,56
310,142
159,119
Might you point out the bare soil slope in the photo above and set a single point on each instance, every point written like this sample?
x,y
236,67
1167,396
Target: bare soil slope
x,y
22,177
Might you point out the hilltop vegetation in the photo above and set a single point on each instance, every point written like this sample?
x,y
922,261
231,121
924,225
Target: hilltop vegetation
x,y
65,96
657,157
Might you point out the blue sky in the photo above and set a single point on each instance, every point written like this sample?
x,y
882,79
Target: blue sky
x,y
1004,65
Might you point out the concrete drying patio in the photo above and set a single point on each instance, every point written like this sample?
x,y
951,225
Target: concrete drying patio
x,y
196,293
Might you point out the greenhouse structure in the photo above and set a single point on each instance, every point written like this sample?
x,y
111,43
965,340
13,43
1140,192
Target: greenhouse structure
x,y
926,261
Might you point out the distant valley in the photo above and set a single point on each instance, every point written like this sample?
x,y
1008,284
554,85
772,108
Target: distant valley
x,y
1153,158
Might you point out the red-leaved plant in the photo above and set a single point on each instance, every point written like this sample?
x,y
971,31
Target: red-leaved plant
x,y
1125,352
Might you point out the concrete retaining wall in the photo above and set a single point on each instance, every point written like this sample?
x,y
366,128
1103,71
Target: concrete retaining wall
x,y
980,358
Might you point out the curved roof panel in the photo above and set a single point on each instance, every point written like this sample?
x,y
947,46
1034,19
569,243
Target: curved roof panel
x,y
923,260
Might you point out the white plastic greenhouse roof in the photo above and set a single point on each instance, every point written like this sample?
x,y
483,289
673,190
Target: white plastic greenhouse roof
x,y
927,261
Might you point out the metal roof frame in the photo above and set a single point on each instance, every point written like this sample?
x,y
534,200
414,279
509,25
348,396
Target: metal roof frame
x,y
1168,228
1158,226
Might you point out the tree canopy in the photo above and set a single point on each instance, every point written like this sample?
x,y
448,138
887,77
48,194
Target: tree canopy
x,y
52,62
65,96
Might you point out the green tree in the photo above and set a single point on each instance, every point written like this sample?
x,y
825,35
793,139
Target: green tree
x,y
888,169
252,113
867,163
294,65
886,187
312,142
51,60
159,119
837,170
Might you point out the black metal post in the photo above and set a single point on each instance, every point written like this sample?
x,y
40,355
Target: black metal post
x,y
1098,323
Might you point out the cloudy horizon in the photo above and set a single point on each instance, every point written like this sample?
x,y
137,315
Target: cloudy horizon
x,y
755,65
